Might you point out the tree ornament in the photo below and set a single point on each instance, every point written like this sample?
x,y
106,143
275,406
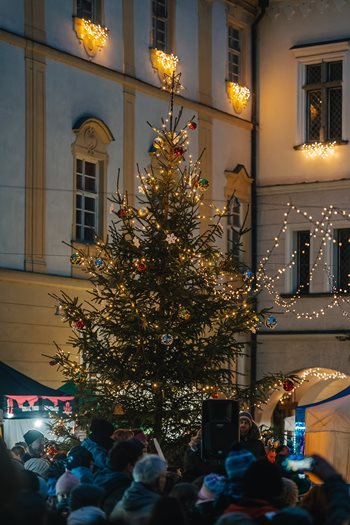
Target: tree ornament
x,y
143,212
184,314
288,385
248,274
271,322
99,263
171,238
167,339
141,267
215,395
80,325
136,242
122,213
192,125
179,151
158,143
52,363
75,258
203,184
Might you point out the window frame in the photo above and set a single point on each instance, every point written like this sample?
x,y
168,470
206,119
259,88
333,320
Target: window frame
x,y
315,54
94,195
334,262
231,21
170,28
91,144
97,12
234,230
290,283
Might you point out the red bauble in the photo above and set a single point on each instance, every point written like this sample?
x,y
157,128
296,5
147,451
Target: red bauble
x,y
288,385
122,213
52,363
141,267
215,395
80,324
192,125
178,152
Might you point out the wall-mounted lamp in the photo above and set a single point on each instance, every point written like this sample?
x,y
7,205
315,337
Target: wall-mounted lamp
x,y
238,95
92,35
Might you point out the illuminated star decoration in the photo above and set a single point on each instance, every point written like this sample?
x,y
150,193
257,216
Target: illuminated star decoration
x,y
136,242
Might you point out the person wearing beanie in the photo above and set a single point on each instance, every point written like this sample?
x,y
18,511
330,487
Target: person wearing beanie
x,y
236,464
85,504
116,477
39,466
35,442
79,462
99,442
213,484
249,435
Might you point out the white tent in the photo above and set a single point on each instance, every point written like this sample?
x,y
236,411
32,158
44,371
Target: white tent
x,y
328,433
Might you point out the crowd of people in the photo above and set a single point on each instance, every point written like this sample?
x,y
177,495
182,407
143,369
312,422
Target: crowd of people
x,y
111,477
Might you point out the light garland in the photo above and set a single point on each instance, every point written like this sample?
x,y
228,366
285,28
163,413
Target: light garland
x,y
238,95
321,150
93,36
165,64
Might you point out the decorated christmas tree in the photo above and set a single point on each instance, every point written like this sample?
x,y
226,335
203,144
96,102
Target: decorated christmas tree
x,y
168,309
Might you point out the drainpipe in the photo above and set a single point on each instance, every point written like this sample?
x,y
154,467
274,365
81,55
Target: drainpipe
x,y
263,4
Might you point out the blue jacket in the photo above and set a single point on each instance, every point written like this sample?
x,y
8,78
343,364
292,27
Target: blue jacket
x,y
136,504
114,484
84,474
99,453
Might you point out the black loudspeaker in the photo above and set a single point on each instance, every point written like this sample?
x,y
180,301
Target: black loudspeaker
x,y
220,427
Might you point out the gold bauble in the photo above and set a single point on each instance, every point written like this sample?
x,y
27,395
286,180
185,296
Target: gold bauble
x,y
143,212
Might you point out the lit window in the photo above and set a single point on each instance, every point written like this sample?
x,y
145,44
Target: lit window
x,y
301,274
341,259
160,25
90,10
234,228
323,95
234,54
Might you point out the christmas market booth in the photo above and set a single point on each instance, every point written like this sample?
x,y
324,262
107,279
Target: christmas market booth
x,y
326,429
27,404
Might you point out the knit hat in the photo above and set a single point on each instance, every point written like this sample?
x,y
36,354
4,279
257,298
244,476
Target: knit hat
x,y
31,436
78,457
213,484
39,466
289,496
101,432
140,436
237,463
66,482
86,516
246,415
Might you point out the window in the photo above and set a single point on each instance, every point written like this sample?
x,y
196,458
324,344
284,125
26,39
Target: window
x,y
341,259
323,95
160,37
90,10
321,82
234,228
301,250
234,54
90,180
86,203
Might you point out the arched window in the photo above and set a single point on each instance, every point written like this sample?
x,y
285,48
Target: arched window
x,y
90,160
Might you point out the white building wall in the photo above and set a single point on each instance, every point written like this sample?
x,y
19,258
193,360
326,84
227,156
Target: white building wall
x,y
285,175
12,154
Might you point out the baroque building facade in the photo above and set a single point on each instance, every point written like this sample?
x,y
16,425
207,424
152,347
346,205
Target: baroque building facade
x,y
79,83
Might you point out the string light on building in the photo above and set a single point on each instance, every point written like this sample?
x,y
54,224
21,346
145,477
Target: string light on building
x,y
321,150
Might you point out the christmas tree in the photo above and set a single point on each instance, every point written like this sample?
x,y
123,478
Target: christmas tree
x,y
168,308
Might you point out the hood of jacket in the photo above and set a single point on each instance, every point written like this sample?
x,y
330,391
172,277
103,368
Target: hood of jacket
x,y
137,497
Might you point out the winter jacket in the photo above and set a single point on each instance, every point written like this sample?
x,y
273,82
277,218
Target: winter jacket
x,y
253,443
84,474
136,504
114,484
337,492
259,511
99,453
85,516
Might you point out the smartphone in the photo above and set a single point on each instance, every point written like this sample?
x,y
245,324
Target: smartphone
x,y
298,462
